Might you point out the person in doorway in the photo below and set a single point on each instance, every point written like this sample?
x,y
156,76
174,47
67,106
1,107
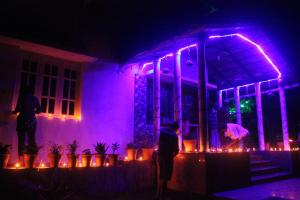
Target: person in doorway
x,y
27,106
167,150
223,117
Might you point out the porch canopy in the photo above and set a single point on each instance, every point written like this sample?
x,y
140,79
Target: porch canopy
x,y
232,58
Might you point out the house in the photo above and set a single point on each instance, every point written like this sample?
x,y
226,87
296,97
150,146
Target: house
x,y
81,97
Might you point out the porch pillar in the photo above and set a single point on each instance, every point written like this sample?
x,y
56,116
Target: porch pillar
x,y
177,95
220,99
156,100
284,121
237,105
202,96
260,125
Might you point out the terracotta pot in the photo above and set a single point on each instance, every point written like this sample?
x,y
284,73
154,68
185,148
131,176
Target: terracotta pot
x,y
113,159
131,154
147,153
4,160
189,145
100,159
72,160
29,160
54,159
86,160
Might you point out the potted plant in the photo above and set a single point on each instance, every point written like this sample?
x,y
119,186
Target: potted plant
x,y
30,155
72,156
4,155
86,157
100,156
147,151
131,151
55,155
113,158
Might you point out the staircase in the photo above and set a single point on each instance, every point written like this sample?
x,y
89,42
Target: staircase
x,y
263,171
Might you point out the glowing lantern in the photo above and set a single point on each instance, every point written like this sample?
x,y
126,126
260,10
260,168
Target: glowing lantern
x,y
230,150
271,149
94,164
17,165
140,158
126,158
196,150
107,164
64,164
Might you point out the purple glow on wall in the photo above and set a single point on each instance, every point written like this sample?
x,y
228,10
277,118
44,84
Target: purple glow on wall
x,y
184,48
253,43
146,64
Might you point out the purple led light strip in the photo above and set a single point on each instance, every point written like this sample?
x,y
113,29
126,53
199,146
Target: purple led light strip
x,y
224,36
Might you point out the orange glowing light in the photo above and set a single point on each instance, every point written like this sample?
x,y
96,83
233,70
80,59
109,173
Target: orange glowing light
x,y
64,164
271,149
280,149
94,164
107,164
220,150
196,150
140,158
126,158
230,150
17,165
290,140
253,149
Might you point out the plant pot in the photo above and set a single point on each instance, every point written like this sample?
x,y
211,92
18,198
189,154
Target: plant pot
x,y
4,160
86,160
147,153
100,159
54,159
113,159
131,154
189,145
29,160
72,160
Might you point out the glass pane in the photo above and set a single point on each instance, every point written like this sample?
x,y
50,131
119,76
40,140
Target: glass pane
x,y
67,73
53,87
54,70
44,105
64,107
74,74
33,66
32,82
66,89
47,69
71,108
51,106
25,65
72,90
23,81
45,86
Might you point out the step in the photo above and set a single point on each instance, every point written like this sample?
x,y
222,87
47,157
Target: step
x,y
260,163
255,171
270,177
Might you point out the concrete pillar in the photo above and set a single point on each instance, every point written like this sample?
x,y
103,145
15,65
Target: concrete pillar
x,y
284,121
177,95
260,124
220,99
237,105
156,100
202,96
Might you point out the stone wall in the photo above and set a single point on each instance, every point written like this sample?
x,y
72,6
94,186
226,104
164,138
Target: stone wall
x,y
143,132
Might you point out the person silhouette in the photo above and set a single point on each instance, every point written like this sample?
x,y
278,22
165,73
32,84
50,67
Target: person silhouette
x,y
27,106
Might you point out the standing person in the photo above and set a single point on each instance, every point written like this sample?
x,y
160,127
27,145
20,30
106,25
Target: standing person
x,y
214,136
167,150
27,106
223,119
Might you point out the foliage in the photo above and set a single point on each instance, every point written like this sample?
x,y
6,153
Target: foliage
x,y
87,152
4,148
56,149
131,146
73,147
32,149
115,147
101,148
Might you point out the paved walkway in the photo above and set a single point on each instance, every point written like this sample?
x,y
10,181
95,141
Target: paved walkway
x,y
280,190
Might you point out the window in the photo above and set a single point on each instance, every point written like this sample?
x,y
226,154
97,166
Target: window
x,y
28,75
56,85
49,88
69,92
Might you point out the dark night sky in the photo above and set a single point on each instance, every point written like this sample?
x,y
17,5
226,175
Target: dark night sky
x,y
119,29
